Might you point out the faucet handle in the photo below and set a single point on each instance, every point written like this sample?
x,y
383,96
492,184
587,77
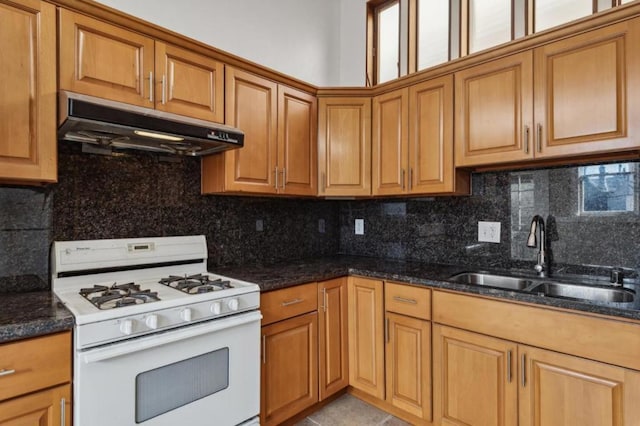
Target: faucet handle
x,y
617,276
538,268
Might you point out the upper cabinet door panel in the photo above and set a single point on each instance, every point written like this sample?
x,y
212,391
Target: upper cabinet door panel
x,y
189,84
389,143
431,136
494,109
588,92
103,60
297,141
345,146
251,105
27,91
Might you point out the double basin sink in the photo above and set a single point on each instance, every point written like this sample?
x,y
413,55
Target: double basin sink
x,y
548,287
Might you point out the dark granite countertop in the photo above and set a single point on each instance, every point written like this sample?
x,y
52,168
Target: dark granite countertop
x,y
24,315
273,277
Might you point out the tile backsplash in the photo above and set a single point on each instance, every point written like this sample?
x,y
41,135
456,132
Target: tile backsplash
x,y
592,217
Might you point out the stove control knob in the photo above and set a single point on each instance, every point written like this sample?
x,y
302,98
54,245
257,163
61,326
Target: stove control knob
x,y
152,321
233,304
216,308
186,314
126,327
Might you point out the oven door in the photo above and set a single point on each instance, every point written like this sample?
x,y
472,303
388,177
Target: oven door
x,y
198,375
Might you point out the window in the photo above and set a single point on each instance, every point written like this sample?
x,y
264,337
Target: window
x,y
405,36
384,18
607,188
550,13
433,32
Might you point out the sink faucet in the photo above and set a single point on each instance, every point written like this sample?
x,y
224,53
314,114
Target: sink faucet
x,y
537,239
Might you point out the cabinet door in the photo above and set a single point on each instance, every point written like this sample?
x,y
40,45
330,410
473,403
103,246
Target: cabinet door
x,y
431,139
290,368
297,142
188,83
587,95
366,336
51,407
494,111
251,105
408,362
389,143
570,391
344,149
27,91
103,60
333,332
474,380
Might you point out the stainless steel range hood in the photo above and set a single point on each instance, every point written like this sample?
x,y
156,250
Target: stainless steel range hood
x,y
113,124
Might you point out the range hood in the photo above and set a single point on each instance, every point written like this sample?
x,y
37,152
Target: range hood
x,y
113,124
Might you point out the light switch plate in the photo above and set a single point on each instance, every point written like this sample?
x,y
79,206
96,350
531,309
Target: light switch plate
x,y
489,232
359,226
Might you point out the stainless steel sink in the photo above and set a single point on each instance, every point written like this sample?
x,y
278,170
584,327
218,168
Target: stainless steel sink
x,y
490,280
584,292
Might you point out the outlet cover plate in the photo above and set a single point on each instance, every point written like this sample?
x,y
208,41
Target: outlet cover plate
x,y
489,232
359,226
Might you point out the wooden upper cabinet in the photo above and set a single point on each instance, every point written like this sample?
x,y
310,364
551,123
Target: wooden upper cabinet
x,y
279,152
251,104
570,391
297,142
107,61
344,146
431,168
494,111
104,60
390,143
27,92
474,379
587,92
366,336
188,83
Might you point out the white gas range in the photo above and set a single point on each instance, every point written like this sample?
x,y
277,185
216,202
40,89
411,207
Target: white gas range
x,y
157,335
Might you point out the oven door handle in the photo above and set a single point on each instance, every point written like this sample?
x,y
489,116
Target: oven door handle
x,y
141,344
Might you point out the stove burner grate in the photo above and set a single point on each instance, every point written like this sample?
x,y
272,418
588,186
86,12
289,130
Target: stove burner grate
x,y
118,295
195,284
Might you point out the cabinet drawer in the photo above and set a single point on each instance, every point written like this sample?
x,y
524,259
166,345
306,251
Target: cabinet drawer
x,y
36,363
407,300
288,302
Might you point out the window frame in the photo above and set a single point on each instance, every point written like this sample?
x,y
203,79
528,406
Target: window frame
x,y
374,7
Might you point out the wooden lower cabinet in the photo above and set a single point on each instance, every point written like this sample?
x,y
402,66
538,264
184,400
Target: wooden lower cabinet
x,y
51,407
366,336
566,390
408,364
333,369
473,379
290,368
476,382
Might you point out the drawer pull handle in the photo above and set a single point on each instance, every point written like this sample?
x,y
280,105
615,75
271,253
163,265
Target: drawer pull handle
x,y
403,300
63,412
4,372
324,300
509,367
523,370
291,302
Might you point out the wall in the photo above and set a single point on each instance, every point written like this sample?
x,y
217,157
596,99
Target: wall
x,y
301,38
445,229
139,195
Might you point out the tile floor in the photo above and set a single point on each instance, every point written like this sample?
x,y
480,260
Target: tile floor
x,y
350,411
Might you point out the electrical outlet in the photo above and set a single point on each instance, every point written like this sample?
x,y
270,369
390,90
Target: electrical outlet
x,y
489,232
359,226
259,225
321,226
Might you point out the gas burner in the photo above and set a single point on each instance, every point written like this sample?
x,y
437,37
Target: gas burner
x,y
117,295
195,284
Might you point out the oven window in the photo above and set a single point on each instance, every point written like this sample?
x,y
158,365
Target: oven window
x,y
172,386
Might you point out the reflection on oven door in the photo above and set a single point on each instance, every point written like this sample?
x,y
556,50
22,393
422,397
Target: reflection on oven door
x,y
205,374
